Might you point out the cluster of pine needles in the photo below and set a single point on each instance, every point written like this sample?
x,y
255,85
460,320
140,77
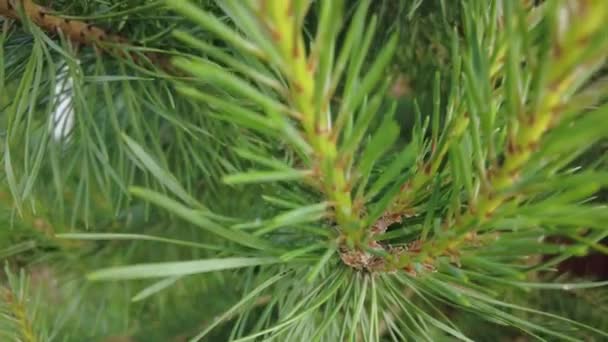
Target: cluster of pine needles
x,y
301,170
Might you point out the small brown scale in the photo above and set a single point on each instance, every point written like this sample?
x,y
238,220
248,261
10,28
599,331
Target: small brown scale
x,y
365,261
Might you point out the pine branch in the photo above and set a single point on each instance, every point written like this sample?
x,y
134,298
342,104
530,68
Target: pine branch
x,y
531,128
80,32
58,85
308,94
347,229
14,309
284,26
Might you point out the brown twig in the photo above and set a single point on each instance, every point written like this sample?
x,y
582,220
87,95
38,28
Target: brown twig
x,y
78,31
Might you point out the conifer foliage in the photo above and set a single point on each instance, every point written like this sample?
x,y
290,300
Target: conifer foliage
x,y
302,170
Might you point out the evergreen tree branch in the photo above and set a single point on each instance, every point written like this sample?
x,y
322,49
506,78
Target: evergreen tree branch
x,y
275,28
284,27
294,91
530,128
13,304
79,32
